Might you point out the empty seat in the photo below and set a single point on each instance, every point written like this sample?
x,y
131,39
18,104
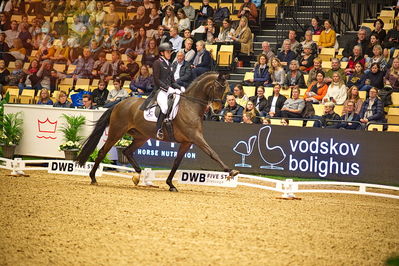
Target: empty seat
x,y
249,90
393,128
296,123
248,75
375,127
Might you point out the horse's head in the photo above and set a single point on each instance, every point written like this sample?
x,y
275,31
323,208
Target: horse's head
x,y
220,90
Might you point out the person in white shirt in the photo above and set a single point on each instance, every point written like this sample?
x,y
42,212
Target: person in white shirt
x,y
337,91
12,33
175,39
184,21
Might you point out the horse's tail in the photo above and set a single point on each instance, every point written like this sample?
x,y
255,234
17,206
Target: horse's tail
x,y
91,142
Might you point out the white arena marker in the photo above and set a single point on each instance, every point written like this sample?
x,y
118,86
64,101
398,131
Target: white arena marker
x,y
72,168
207,178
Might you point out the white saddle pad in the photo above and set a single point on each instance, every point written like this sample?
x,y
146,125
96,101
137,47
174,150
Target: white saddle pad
x,y
149,114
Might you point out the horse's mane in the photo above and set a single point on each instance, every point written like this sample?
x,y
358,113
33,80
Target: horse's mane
x,y
198,79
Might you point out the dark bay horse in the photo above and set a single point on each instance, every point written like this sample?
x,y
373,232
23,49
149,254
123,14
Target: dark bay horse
x,y
126,117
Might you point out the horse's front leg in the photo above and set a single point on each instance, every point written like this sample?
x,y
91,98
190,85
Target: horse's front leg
x,y
201,142
180,154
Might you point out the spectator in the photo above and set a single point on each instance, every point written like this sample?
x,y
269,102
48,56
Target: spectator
x,y
317,89
26,38
284,122
360,40
100,94
140,19
241,97
267,51
294,77
12,33
254,115
357,57
226,33
372,109
87,101
295,45
84,65
205,11
140,42
391,79
99,13
249,10
169,5
82,14
97,36
161,36
374,78
353,96
189,10
153,23
49,76
247,118
144,83
18,50
275,103
293,106
175,39
314,70
184,21
286,55
211,31
111,18
261,72
329,114
24,23
309,42
189,53
4,22
17,76
62,101
350,117
391,41
315,28
357,78
327,36
228,117
101,68
182,70
337,91
32,80
277,73
60,26
202,60
44,97
243,37
129,71
234,108
335,67
128,42
95,49
266,121
259,100
151,53
306,60
4,72
4,48
116,95
170,20
379,29
370,46
378,58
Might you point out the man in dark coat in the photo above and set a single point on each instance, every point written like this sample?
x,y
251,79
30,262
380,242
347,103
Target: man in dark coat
x,y
181,70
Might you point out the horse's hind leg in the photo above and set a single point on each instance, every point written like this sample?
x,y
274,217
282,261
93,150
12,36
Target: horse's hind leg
x,y
112,139
180,154
128,151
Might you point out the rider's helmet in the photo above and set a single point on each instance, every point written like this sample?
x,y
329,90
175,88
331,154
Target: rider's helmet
x,y
166,46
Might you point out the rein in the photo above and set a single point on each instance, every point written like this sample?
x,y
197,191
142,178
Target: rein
x,y
200,101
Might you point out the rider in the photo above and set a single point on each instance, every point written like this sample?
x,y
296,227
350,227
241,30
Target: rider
x,y
164,83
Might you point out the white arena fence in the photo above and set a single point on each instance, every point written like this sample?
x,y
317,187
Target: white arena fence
x,y
287,187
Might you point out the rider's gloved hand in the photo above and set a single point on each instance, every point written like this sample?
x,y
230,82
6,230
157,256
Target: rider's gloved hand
x,y
182,89
171,90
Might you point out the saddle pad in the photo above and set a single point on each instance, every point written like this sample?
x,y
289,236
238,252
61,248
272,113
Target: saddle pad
x,y
151,115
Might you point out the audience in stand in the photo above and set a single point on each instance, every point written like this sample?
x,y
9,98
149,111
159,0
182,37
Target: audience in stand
x,y
317,90
234,108
372,109
327,36
293,106
337,91
62,101
350,119
330,119
353,96
274,103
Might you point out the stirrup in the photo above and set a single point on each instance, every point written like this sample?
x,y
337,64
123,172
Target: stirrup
x,y
160,134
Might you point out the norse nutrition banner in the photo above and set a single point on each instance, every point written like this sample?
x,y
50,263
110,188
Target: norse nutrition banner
x,y
342,155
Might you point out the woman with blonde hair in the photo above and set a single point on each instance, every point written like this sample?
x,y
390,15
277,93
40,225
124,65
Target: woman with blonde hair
x,y
337,91
243,37
44,97
277,72
239,94
316,67
250,109
353,96
170,20
392,77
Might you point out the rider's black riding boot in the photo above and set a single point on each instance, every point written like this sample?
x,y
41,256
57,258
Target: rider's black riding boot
x,y
161,118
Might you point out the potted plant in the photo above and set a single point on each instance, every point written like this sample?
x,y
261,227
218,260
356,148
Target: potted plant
x,y
72,139
11,131
124,142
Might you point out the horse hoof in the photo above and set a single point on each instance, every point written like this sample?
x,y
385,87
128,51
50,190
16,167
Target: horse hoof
x,y
136,179
94,183
173,189
232,174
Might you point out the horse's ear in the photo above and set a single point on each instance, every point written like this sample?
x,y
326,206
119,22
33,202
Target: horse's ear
x,y
222,76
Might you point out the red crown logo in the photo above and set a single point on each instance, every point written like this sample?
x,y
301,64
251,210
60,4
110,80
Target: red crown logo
x,y
47,126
